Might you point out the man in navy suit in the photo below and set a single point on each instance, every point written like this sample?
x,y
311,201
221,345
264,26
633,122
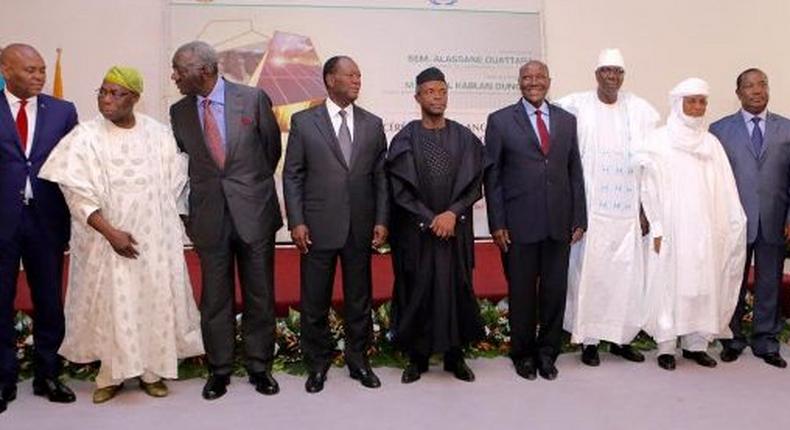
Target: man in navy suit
x,y
757,143
536,210
34,220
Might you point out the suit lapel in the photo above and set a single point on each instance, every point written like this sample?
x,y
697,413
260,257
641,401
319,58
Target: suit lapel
x,y
41,114
7,123
770,131
521,118
234,108
324,124
359,136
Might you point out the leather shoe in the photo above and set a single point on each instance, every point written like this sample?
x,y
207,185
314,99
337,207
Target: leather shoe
x,y
525,368
101,395
154,389
264,383
7,395
590,355
700,357
216,386
547,370
666,361
774,359
411,373
53,390
315,381
364,374
459,369
627,352
729,354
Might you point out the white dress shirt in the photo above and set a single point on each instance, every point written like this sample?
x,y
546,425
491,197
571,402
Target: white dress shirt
x,y
334,115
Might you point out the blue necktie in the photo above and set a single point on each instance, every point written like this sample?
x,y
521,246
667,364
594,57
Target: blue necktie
x,y
757,136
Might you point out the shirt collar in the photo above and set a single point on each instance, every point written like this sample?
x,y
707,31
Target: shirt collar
x,y
544,108
333,109
747,116
14,100
217,95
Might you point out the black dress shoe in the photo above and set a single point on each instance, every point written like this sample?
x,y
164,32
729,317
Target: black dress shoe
x,y
590,355
264,383
459,369
53,390
216,386
315,381
729,354
700,357
547,371
666,361
411,373
774,359
525,368
365,375
627,352
8,393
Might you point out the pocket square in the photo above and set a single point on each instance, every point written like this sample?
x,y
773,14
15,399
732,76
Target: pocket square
x,y
245,120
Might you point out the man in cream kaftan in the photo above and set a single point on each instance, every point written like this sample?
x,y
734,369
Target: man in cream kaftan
x,y
698,227
606,270
129,305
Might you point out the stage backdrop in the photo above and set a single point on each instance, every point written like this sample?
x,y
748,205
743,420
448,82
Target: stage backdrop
x,y
282,48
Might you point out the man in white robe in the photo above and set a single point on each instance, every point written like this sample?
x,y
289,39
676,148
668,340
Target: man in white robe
x,y
606,270
129,302
698,228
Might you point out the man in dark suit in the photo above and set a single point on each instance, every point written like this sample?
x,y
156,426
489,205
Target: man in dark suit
x,y
336,201
536,210
34,220
233,142
757,143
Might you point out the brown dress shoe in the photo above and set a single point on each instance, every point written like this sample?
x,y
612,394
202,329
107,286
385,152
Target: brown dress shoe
x,y
102,395
154,389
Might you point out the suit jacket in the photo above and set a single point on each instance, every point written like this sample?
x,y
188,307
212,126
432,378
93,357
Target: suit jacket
x,y
324,193
533,196
55,118
763,179
246,184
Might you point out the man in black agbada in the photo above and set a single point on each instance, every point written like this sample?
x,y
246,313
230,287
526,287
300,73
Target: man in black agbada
x,y
435,170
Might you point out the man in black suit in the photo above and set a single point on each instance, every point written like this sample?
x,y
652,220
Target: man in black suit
x,y
536,210
336,201
233,142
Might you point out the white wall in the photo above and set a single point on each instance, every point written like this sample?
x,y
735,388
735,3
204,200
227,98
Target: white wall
x,y
663,41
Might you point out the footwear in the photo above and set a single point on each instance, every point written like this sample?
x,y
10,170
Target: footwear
x,y
459,369
264,383
627,352
7,395
53,390
590,355
774,359
525,368
216,386
547,370
700,357
101,395
729,354
315,381
411,373
154,389
364,374
666,361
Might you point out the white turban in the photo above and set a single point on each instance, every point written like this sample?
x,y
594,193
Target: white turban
x,y
610,57
687,132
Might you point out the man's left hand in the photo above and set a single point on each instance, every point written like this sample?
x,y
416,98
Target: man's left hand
x,y
443,225
380,234
577,234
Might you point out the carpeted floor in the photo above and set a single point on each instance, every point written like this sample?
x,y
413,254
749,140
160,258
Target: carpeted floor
x,y
617,395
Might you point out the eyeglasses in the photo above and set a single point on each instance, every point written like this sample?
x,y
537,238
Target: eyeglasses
x,y
114,94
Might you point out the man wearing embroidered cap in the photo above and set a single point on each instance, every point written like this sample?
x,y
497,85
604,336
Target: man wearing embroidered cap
x,y
606,270
129,303
698,230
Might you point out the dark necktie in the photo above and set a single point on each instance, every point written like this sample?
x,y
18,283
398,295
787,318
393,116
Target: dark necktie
x,y
21,124
757,136
543,133
212,135
344,137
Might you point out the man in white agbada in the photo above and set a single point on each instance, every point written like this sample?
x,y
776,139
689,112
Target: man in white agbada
x,y
606,269
129,302
698,228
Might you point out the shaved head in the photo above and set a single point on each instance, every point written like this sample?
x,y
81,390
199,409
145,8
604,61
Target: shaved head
x,y
24,70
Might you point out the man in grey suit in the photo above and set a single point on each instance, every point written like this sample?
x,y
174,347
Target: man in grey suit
x,y
233,142
757,143
336,201
536,210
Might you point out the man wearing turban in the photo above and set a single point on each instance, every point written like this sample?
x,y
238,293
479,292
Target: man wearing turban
x,y
129,302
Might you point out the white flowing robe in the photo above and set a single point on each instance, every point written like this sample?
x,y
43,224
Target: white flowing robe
x,y
135,315
690,198
605,298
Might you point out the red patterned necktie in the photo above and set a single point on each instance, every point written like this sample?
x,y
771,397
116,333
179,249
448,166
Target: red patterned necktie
x,y
212,135
543,133
21,124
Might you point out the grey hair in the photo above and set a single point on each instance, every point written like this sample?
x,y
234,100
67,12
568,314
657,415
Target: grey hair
x,y
205,54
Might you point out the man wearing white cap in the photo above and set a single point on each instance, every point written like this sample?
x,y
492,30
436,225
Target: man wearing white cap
x,y
698,228
606,270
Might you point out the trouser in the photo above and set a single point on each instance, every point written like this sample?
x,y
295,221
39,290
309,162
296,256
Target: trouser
x,y
104,377
695,342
